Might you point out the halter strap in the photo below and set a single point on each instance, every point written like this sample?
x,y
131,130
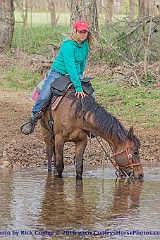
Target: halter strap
x,y
127,150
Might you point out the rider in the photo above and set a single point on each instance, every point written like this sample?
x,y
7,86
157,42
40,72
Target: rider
x,y
70,60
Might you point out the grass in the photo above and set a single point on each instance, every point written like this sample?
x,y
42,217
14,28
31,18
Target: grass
x,y
132,104
19,79
37,39
42,18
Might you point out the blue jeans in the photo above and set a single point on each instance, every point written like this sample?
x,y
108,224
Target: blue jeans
x,y
46,92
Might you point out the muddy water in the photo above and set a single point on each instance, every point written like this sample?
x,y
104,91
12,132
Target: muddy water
x,y
35,205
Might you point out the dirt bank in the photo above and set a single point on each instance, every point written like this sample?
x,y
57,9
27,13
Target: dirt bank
x,y
20,150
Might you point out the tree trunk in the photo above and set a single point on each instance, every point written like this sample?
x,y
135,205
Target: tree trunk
x,y
147,8
109,11
143,8
145,12
25,20
158,9
86,10
76,11
6,23
131,10
140,8
52,12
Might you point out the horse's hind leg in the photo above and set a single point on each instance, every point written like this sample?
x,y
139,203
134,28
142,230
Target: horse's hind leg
x,y
79,151
50,147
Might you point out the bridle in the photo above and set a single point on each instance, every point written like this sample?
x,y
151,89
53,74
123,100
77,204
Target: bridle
x,y
129,155
120,169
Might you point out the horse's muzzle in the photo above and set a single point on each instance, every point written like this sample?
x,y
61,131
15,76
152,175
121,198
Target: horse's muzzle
x,y
138,176
130,174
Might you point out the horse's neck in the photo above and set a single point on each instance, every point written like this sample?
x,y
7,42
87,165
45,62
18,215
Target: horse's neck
x,y
112,140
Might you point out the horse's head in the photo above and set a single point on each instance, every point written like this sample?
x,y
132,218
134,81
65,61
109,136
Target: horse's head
x,y
128,158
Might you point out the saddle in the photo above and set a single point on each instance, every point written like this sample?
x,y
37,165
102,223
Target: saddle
x,y
59,88
62,84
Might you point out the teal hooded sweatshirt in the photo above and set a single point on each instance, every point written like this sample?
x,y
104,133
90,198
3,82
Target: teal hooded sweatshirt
x,y
71,60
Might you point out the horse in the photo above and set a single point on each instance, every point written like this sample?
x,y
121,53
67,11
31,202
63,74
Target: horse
x,y
74,118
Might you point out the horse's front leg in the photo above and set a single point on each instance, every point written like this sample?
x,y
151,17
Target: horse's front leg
x,y
53,157
59,145
79,151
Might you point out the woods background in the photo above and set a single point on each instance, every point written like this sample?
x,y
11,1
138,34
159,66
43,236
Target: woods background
x,y
126,30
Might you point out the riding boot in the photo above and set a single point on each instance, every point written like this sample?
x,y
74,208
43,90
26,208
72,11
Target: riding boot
x,y
28,127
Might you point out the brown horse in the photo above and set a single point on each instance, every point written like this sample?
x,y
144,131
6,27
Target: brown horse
x,y
73,119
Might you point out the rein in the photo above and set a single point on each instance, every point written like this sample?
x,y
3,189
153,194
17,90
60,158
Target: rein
x,y
110,159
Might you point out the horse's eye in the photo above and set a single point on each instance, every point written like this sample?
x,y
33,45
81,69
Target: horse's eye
x,y
135,152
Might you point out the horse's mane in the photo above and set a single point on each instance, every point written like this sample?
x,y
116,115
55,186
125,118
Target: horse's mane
x,y
107,123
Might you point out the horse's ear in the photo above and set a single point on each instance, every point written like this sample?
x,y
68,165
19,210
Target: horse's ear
x,y
130,133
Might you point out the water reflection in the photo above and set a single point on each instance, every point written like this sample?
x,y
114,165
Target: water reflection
x,y
64,203
126,197
89,203
6,197
33,200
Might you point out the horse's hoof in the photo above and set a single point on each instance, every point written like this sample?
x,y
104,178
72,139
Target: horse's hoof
x,y
59,175
49,170
79,177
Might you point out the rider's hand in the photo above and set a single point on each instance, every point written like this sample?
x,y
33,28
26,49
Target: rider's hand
x,y
80,94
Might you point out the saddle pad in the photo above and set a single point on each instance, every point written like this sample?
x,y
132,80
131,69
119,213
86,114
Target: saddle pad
x,y
37,90
56,102
35,95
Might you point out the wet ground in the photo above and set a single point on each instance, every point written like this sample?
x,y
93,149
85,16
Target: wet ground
x,y
35,205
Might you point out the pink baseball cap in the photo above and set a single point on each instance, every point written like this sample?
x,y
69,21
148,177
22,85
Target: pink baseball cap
x,y
81,25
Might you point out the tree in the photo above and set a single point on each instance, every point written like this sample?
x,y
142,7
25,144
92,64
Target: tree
x,y
51,7
158,9
86,10
23,9
131,9
143,8
145,12
25,15
109,11
6,23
